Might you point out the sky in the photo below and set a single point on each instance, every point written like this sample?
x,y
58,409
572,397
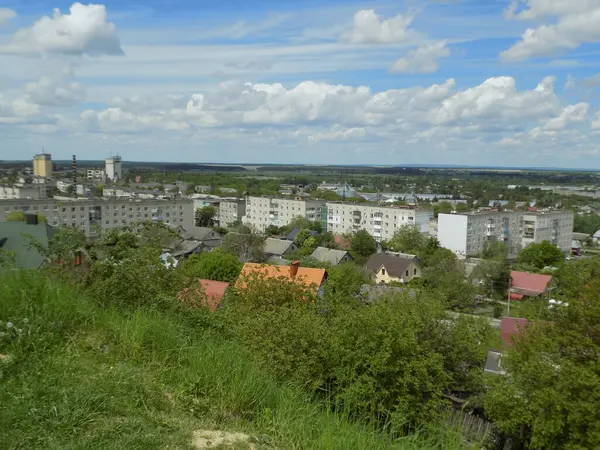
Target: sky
x,y
458,82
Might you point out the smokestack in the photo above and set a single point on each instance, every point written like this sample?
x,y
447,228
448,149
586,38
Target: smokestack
x,y
74,169
294,269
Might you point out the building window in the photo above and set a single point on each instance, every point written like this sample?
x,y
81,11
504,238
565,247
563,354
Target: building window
x,y
383,271
414,271
73,209
406,272
82,208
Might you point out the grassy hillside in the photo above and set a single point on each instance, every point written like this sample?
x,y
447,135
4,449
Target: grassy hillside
x,y
74,375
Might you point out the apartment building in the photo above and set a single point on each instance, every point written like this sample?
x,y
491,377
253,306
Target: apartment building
x,y
113,168
13,192
380,221
230,210
555,227
96,174
467,234
264,211
42,165
94,215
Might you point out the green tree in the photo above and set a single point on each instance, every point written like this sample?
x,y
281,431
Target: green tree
x,y
540,255
99,190
462,208
495,250
308,246
407,239
19,216
204,216
302,236
344,281
246,244
362,244
443,207
215,265
549,398
272,230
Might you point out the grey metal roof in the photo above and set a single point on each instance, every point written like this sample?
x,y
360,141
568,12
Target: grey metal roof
x,y
329,255
278,247
200,234
185,247
16,237
581,236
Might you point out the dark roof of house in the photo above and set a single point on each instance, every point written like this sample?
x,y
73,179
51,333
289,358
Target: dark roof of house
x,y
277,247
201,234
329,255
16,237
395,266
292,234
185,247
530,284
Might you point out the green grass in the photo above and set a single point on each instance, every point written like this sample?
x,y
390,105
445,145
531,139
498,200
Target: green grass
x,y
82,377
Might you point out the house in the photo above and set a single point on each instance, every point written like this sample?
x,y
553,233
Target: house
x,y
207,293
525,284
344,243
279,247
510,330
579,240
596,237
209,238
312,279
387,268
16,239
331,256
292,234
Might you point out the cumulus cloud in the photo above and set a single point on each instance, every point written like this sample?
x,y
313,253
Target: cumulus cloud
x,y
6,15
571,114
574,23
494,110
368,28
51,92
83,31
422,60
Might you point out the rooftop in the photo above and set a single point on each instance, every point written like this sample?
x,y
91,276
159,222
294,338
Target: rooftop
x,y
309,277
530,284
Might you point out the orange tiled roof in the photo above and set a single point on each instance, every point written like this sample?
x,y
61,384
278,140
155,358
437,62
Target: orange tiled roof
x,y
208,294
310,277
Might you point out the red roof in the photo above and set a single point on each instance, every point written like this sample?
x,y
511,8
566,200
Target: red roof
x,y
511,329
341,242
209,294
530,284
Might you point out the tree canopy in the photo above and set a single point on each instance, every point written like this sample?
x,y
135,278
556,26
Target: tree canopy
x,y
540,255
362,244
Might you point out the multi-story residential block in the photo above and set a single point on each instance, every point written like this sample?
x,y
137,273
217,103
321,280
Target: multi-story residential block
x,y
113,168
555,227
94,215
380,221
230,210
264,211
42,165
96,174
467,234
12,192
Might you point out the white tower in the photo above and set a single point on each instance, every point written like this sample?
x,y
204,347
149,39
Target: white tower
x,y
113,168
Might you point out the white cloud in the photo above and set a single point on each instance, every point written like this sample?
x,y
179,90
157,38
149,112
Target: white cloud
x,y
422,60
576,23
50,92
6,15
595,125
571,114
337,133
368,28
83,31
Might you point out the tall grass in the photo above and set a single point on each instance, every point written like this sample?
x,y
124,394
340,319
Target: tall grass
x,y
81,376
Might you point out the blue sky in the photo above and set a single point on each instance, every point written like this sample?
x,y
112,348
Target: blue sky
x,y
486,82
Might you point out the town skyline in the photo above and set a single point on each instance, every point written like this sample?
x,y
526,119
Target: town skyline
x,y
463,83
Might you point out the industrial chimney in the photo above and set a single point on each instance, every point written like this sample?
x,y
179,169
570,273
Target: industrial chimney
x,y
294,269
74,169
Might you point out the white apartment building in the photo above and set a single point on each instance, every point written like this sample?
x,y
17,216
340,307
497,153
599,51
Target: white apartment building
x,y
93,215
96,174
467,234
113,168
230,210
264,211
380,221
13,192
